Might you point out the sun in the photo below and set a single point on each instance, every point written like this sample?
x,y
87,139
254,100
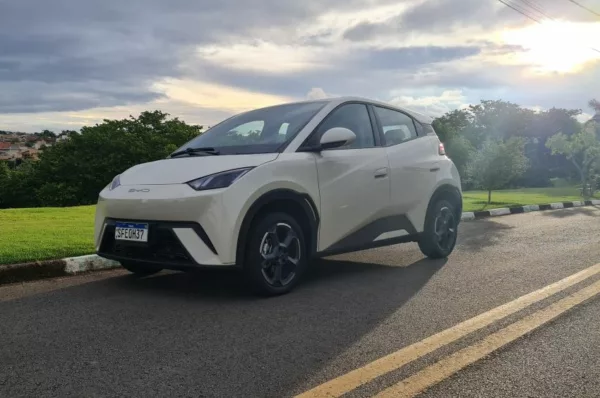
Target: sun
x,y
556,46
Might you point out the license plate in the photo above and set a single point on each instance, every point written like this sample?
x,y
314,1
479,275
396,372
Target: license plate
x,y
133,232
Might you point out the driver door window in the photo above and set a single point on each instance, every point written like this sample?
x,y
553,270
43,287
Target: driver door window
x,y
354,117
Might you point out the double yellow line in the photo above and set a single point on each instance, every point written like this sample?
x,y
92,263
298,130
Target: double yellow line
x,y
451,364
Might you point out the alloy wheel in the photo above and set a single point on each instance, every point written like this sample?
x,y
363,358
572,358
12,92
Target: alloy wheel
x,y
445,228
281,250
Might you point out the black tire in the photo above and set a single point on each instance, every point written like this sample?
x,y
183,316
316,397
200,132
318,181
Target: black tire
x,y
267,263
140,269
441,230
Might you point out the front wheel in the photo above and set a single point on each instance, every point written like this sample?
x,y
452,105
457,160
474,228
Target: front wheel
x,y
441,230
276,254
139,269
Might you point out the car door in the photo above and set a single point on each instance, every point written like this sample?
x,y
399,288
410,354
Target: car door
x,y
412,157
354,181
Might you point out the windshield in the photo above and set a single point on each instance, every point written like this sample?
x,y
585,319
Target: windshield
x,y
259,131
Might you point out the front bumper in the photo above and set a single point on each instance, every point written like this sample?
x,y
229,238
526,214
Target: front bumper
x,y
186,228
174,245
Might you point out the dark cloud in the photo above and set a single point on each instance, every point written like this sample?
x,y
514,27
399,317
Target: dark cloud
x,y
364,72
410,57
125,46
68,55
33,97
445,16
432,16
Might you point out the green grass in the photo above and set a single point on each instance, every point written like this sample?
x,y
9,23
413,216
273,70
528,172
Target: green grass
x,y
477,200
45,233
49,233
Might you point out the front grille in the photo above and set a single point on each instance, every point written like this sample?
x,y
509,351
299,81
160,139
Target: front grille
x,y
162,247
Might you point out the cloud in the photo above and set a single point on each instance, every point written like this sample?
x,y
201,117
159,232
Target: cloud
x,y
218,97
317,93
69,61
433,105
78,54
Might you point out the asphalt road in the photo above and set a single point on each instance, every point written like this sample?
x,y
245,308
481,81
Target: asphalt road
x,y
199,335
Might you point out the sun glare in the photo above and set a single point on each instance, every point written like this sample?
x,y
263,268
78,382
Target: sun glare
x,y
560,46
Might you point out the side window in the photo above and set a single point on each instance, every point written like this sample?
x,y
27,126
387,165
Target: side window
x,y
397,126
354,117
420,131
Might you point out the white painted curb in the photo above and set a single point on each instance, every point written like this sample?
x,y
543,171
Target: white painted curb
x,y
499,212
92,262
469,215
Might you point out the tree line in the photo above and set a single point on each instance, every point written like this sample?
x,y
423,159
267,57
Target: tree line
x,y
494,144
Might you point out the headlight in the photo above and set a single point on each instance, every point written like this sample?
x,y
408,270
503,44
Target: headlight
x,y
116,182
218,180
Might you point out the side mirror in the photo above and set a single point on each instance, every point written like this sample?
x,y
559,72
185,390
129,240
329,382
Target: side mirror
x,y
337,137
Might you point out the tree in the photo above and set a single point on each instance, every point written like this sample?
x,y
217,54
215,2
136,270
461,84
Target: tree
x,y
460,150
595,105
4,181
582,149
73,172
497,164
47,135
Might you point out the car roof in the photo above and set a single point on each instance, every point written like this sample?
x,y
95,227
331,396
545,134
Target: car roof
x,y
416,115
335,101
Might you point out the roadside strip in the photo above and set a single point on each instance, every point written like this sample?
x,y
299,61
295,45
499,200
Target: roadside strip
x,y
35,270
358,377
53,268
451,364
505,211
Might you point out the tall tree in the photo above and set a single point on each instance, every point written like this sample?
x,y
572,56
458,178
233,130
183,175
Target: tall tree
x,y
595,105
582,150
497,164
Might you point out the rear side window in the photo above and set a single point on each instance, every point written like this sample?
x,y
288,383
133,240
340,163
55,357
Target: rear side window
x,y
428,129
397,126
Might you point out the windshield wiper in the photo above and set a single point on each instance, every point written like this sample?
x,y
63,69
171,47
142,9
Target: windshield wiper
x,y
196,152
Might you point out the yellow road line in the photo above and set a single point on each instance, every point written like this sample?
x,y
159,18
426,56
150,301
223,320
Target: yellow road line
x,y
353,379
439,371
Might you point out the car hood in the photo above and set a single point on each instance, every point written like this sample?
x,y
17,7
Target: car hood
x,y
183,169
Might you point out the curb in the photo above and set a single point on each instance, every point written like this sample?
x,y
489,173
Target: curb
x,y
505,211
53,268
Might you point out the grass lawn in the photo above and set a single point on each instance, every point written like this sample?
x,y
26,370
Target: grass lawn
x,y
477,200
45,233
49,233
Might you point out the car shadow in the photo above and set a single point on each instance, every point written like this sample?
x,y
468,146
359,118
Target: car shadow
x,y
205,324
476,236
565,213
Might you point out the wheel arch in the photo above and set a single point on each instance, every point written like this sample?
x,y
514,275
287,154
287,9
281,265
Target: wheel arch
x,y
448,192
299,205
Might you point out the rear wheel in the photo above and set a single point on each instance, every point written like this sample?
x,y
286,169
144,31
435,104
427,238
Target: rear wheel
x,y
441,230
276,254
140,269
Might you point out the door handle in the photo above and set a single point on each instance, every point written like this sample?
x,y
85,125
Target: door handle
x,y
381,173
434,169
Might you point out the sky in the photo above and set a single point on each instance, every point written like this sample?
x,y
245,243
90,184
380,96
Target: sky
x,y
69,63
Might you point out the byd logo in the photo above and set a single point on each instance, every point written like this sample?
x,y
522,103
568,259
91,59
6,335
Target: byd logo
x,y
139,190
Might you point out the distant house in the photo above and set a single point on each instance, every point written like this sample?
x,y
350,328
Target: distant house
x,y
30,153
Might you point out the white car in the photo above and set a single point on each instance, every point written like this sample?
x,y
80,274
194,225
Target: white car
x,y
269,189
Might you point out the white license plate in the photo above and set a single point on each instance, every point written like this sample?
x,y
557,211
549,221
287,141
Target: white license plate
x,y
133,232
